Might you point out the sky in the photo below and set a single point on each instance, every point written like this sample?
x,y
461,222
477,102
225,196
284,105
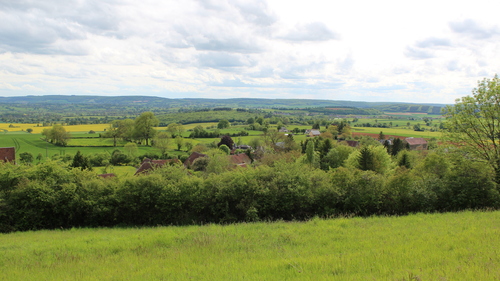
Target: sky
x,y
390,51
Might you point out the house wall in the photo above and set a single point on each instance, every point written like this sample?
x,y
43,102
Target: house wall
x,y
7,154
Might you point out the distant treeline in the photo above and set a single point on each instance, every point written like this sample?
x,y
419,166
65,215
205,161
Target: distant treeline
x,y
56,109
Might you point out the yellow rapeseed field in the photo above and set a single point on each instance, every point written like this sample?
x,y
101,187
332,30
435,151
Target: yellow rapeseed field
x,y
79,128
36,130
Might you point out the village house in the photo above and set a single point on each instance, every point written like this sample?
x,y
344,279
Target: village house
x,y
350,143
195,155
313,133
8,154
417,143
241,160
148,165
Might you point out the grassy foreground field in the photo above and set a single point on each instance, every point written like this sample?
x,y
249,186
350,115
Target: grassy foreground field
x,y
452,246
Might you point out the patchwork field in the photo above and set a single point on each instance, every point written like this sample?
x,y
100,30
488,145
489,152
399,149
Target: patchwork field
x,y
451,246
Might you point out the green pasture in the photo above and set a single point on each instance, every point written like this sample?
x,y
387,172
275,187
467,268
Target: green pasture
x,y
403,122
33,143
119,171
95,142
450,246
91,143
397,132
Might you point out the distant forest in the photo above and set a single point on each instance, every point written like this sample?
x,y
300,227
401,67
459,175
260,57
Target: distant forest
x,y
75,110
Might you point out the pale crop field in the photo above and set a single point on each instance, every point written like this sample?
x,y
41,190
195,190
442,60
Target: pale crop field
x,y
451,246
36,130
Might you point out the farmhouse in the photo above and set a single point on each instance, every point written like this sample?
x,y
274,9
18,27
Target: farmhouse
x,y
8,154
313,133
417,143
148,165
195,155
241,160
350,143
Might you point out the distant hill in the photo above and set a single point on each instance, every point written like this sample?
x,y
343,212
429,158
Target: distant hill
x,y
157,102
414,108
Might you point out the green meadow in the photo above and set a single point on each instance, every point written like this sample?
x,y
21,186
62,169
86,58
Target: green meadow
x,y
92,144
34,144
449,246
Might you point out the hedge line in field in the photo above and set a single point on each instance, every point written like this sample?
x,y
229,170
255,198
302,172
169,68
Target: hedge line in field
x,y
49,195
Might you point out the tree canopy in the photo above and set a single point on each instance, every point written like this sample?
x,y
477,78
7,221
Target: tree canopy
x,y
144,126
474,123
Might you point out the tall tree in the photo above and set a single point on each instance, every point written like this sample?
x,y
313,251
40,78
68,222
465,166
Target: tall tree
x,y
144,126
179,141
112,131
56,135
474,123
175,129
397,146
224,123
161,142
227,140
26,157
80,161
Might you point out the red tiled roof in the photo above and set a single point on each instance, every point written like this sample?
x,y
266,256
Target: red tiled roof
x,y
109,175
241,158
7,154
149,164
353,143
189,161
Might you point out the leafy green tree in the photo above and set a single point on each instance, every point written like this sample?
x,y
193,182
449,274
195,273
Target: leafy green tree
x,y
131,150
223,124
39,157
179,141
161,142
80,161
188,145
26,157
144,126
365,160
29,130
311,155
200,164
474,123
218,161
397,146
227,140
118,158
177,129
325,147
381,136
371,158
198,131
120,129
405,159
337,156
56,135
225,149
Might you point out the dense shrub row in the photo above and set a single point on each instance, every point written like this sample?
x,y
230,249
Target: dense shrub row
x,y
50,195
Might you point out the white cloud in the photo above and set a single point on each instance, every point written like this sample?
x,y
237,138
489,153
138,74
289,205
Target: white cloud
x,y
388,50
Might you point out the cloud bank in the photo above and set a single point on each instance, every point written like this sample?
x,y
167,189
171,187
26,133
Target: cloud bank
x,y
268,49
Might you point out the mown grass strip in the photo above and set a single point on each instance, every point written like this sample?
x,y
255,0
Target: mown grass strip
x,y
452,246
